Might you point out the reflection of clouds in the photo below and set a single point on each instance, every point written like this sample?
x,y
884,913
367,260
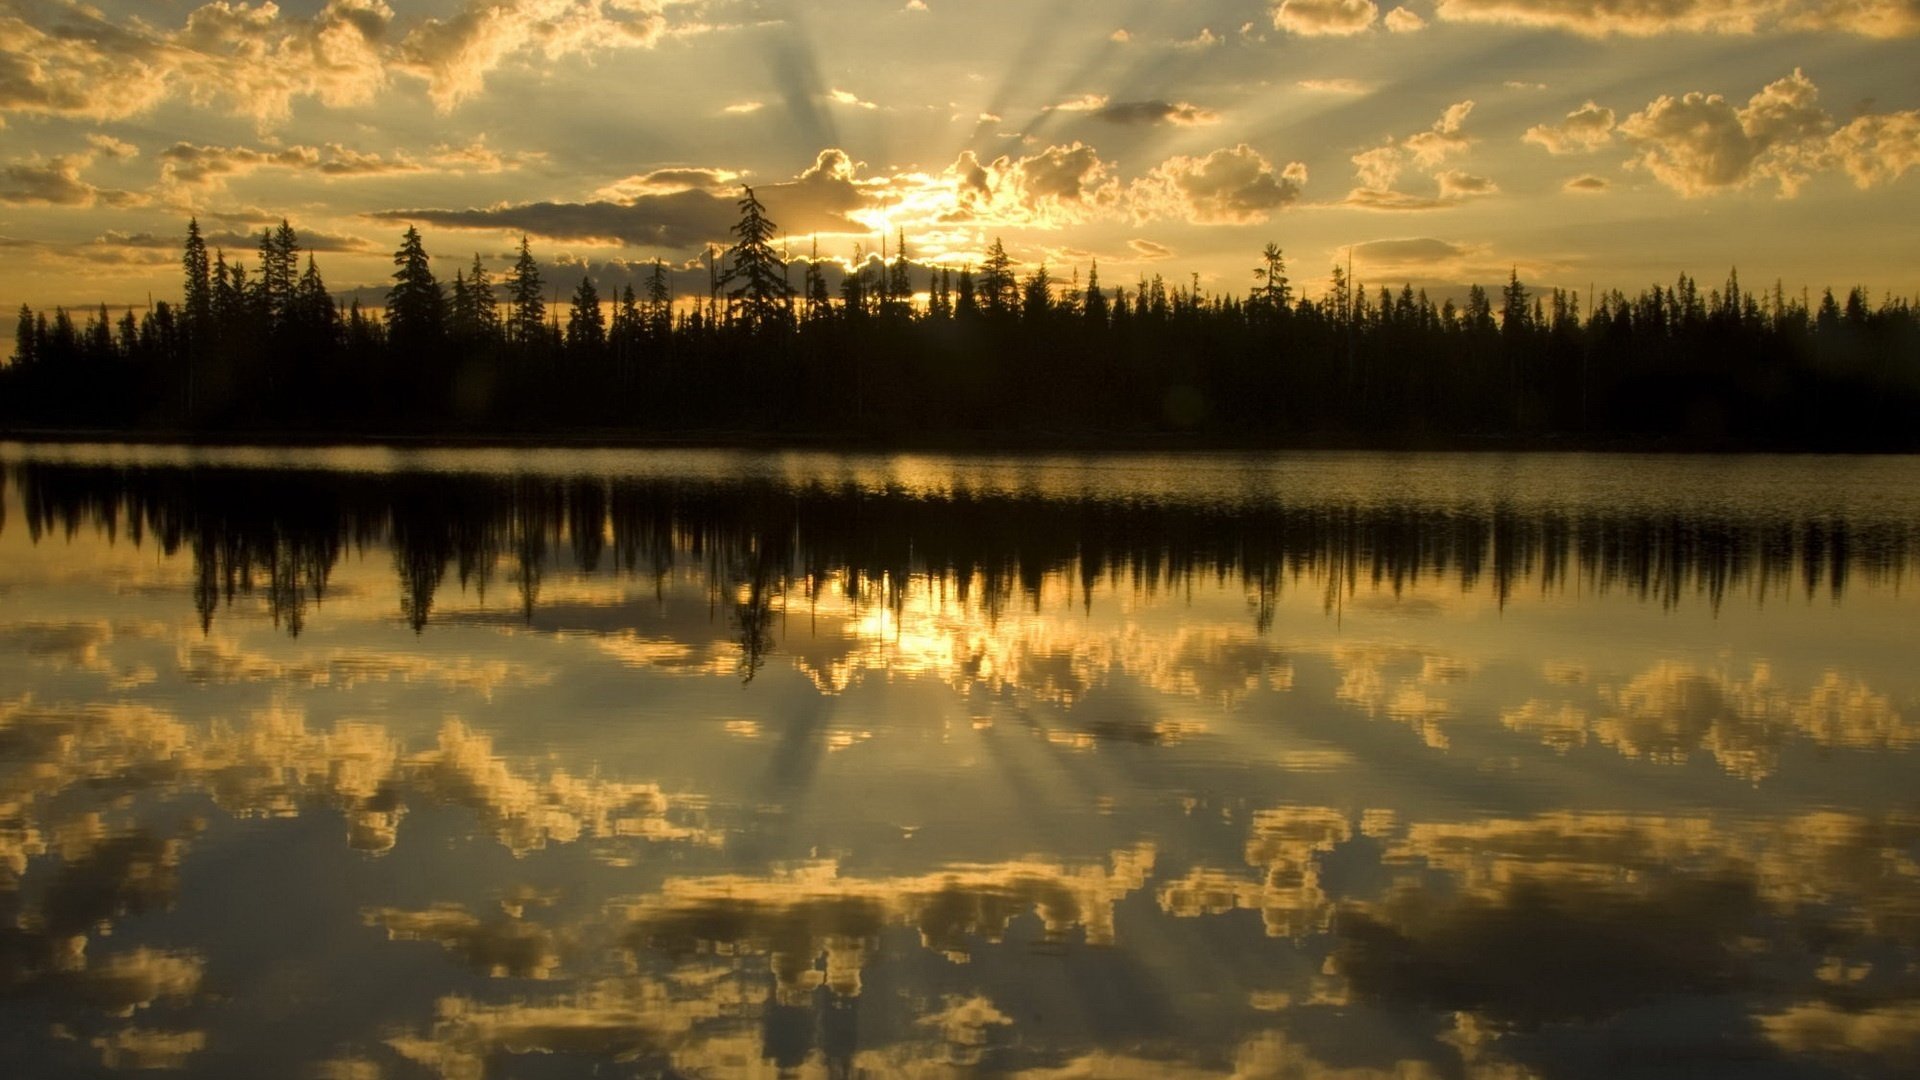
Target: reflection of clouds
x,y
1673,710
274,765
1266,1055
1561,726
501,947
1286,843
804,916
143,1048
613,1019
1888,1033
962,634
127,982
1379,681
79,646
964,1023
216,659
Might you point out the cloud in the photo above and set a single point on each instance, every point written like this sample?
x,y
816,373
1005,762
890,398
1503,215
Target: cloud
x,y
847,97
1639,18
1378,168
1315,18
1083,103
1148,250
820,199
1404,21
195,166
1699,143
1878,149
1413,251
310,240
1444,138
455,55
1156,112
1120,36
1334,86
669,180
112,147
744,108
1586,129
1587,185
56,181
1058,186
1456,185
65,58
1232,186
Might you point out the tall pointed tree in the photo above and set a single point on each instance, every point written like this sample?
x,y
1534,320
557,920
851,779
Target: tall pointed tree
x,y
198,291
526,321
586,323
416,308
756,277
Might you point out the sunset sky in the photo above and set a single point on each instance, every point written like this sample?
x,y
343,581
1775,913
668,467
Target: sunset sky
x,y
1605,142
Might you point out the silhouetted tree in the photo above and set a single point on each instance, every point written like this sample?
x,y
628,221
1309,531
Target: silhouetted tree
x,y
416,308
586,325
756,277
527,312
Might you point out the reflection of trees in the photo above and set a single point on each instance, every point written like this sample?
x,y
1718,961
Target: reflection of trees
x,y
290,527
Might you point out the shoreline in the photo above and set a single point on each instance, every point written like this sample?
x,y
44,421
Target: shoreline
x,y
966,442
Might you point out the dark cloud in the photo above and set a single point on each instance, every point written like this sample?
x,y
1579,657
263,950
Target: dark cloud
x,y
232,239
55,181
818,201
1413,250
1541,952
1155,112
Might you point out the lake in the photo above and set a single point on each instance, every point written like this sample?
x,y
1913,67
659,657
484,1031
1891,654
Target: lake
x,y
364,763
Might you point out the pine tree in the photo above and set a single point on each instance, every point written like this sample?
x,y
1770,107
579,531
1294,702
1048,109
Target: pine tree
x,y
1036,299
818,303
526,323
416,308
26,351
900,277
1273,293
1094,304
486,309
998,289
198,291
659,301
586,324
1515,316
756,277
279,263
313,309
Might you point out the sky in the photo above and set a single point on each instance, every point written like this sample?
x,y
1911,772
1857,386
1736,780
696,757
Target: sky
x,y
1582,143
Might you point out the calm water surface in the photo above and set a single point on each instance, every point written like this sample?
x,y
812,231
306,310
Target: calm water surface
x,y
358,764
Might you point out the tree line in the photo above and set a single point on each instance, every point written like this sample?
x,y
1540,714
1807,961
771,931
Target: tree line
x,y
982,350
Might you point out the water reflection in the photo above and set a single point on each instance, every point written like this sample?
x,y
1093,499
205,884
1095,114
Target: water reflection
x,y
1059,772
278,535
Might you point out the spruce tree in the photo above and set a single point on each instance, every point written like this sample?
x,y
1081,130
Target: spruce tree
x,y
486,310
198,291
526,325
416,308
758,293
586,324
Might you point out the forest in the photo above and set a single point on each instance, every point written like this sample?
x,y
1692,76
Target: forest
x,y
897,355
